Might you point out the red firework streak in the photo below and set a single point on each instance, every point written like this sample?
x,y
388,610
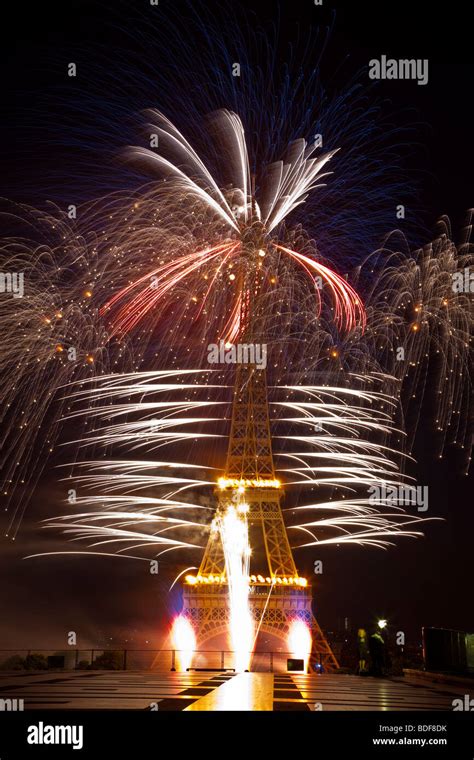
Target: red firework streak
x,y
160,282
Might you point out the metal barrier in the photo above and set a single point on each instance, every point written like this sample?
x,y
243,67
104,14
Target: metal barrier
x,y
145,659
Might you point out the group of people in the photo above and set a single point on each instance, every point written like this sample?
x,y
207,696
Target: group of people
x,y
372,653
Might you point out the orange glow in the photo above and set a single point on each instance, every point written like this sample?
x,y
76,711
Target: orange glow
x,y
299,641
242,483
184,642
193,580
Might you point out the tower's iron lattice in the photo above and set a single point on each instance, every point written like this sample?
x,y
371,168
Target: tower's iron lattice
x,y
274,602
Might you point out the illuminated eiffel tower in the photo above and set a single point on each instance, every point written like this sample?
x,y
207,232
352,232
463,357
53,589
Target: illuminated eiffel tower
x,y
278,595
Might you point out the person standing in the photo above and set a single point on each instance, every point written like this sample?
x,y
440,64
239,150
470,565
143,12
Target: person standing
x,y
363,650
377,654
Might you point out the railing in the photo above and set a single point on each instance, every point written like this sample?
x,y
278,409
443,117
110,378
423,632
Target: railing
x,y
147,659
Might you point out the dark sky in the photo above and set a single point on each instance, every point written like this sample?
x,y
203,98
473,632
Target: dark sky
x,y
423,582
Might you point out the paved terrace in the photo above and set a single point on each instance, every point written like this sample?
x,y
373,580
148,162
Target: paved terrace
x,y
145,690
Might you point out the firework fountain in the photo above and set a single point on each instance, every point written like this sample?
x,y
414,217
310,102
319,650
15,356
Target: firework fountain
x,y
233,529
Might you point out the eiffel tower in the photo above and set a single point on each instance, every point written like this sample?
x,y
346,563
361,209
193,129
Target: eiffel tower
x,y
278,595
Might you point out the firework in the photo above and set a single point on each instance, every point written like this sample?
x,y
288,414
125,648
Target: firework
x,y
341,443
201,239
233,531
149,278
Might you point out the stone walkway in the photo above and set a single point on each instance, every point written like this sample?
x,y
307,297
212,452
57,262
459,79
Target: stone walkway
x,y
153,690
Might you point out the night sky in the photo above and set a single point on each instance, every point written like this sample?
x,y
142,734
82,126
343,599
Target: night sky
x,y
423,582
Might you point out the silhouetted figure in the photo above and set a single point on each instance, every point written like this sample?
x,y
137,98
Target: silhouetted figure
x,y
363,650
377,654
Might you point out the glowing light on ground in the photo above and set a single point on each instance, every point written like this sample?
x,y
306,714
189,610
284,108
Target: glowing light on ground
x,y
299,641
184,642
